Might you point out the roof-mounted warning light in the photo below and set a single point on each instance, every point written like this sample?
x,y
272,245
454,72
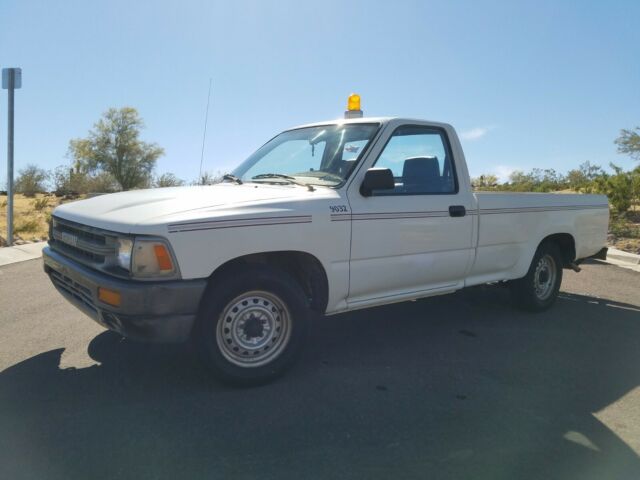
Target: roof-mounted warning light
x,y
353,107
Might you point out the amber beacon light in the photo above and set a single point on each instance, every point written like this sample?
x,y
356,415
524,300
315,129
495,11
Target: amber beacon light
x,y
353,107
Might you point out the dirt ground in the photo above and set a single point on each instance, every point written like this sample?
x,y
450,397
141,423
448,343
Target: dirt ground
x,y
31,217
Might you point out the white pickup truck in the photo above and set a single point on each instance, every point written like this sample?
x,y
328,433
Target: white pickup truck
x,y
326,218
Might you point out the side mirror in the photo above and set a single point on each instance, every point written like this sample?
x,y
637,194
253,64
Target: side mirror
x,y
377,179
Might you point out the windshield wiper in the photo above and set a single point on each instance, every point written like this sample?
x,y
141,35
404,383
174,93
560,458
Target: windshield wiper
x,y
288,178
231,177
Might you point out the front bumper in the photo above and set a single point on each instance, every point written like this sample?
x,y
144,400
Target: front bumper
x,y
151,311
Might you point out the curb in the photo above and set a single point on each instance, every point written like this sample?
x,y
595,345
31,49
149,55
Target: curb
x,y
21,253
623,257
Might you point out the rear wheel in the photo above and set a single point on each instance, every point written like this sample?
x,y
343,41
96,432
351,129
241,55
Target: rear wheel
x,y
251,325
539,288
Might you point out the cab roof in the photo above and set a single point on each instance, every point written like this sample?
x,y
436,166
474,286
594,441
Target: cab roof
x,y
381,120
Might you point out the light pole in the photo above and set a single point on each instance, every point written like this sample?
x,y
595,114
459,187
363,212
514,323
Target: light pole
x,y
11,79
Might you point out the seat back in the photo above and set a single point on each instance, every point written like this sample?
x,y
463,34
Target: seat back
x,y
421,174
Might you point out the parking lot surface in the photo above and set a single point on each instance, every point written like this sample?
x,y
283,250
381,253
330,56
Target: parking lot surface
x,y
459,386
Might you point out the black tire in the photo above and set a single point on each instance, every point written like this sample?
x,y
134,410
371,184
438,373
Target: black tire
x,y
528,292
261,297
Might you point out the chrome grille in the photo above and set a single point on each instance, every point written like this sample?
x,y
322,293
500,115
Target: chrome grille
x,y
88,245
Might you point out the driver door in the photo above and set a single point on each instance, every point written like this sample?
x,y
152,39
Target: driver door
x,y
417,238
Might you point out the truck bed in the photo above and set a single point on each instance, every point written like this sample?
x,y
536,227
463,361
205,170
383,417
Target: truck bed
x,y
511,225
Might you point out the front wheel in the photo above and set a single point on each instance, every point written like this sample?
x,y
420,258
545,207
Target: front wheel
x,y
539,288
251,325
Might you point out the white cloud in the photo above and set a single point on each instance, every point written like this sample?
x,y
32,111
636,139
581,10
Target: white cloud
x,y
475,133
500,171
503,172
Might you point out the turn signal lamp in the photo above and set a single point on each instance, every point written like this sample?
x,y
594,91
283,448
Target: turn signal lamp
x,y
353,107
163,257
110,297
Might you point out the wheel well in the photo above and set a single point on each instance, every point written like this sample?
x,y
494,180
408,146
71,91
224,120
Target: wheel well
x,y
303,267
566,244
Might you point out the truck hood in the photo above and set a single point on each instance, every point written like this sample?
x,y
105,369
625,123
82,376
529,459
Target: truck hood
x,y
124,211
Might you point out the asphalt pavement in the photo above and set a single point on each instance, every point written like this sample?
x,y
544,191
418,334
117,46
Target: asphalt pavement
x,y
459,386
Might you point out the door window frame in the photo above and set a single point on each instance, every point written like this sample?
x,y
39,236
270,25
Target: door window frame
x,y
449,152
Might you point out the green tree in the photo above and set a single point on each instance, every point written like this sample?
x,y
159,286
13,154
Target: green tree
x,y
520,182
31,180
114,147
629,143
583,178
635,180
537,180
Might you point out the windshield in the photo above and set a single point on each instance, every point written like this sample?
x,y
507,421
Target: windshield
x,y
324,155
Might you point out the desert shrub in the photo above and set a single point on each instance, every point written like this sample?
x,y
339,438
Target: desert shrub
x,y
167,180
39,204
537,180
102,182
619,187
31,180
622,227
208,178
68,181
486,181
62,177
29,225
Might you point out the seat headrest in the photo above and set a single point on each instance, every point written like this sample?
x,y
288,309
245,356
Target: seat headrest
x,y
420,170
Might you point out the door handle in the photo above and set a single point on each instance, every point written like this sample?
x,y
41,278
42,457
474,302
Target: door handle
x,y
457,211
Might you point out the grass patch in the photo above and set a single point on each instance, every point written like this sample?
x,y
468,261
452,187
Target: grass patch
x,y
30,225
30,216
40,204
624,228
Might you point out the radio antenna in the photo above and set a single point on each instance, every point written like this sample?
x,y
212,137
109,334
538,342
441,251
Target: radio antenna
x,y
204,134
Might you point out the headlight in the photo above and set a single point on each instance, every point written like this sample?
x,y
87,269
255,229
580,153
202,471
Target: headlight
x,y
152,258
125,246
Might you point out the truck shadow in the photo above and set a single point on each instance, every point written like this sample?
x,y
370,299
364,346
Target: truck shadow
x,y
461,386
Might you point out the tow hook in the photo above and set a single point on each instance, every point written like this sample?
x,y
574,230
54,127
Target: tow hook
x,y
574,266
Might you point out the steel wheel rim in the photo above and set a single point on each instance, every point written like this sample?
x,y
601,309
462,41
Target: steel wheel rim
x,y
254,329
544,278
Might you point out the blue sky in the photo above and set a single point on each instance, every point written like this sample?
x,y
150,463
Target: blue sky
x,y
544,84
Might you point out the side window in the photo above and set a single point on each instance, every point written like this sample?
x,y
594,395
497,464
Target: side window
x,y
420,160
